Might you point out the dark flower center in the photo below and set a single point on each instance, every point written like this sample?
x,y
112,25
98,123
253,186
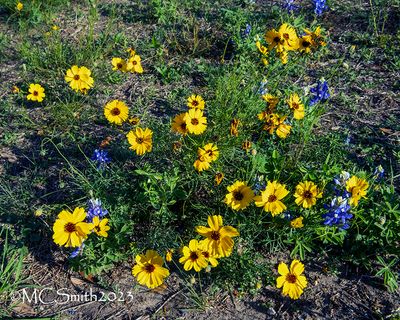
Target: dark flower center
x,y
307,194
134,62
277,39
295,105
286,36
206,254
306,44
76,77
119,65
272,198
183,125
115,112
97,228
195,122
195,103
291,278
139,140
238,196
69,227
193,256
149,268
215,235
35,93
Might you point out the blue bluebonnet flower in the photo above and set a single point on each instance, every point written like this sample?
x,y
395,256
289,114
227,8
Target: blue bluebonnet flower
x,y
288,215
95,209
342,178
246,32
259,183
263,87
290,6
320,91
101,157
338,213
379,173
320,6
76,251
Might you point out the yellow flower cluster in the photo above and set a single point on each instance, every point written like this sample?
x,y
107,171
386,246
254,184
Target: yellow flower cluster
x,y
132,64
240,196
285,39
70,229
218,243
275,123
193,121
197,255
205,156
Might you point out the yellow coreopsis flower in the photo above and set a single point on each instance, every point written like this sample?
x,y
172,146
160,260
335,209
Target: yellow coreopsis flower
x,y
193,257
205,250
218,237
218,178
261,48
196,123
169,254
15,89
131,52
69,229
297,223
119,64
179,124
296,105
196,102
239,196
246,145
305,44
289,37
100,226
134,121
316,36
234,127
202,163
275,40
36,92
140,140
19,6
134,64
116,112
79,78
210,151
149,270
292,280
271,122
357,188
283,129
283,55
306,194
270,198
55,27
271,101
